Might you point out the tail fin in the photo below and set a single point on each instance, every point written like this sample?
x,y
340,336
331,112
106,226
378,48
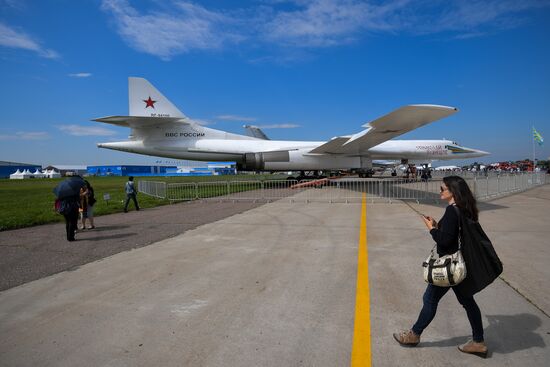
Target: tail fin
x,y
145,100
255,132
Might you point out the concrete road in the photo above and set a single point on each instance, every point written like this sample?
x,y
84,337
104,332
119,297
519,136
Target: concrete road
x,y
273,286
276,286
516,323
32,253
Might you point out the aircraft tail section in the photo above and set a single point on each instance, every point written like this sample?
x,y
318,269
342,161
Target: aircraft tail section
x,y
146,101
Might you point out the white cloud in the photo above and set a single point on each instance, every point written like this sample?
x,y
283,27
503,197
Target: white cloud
x,y
78,130
14,39
474,18
183,28
15,4
179,26
26,135
80,75
235,118
279,126
323,23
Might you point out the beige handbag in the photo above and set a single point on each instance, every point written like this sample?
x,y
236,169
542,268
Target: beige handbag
x,y
445,271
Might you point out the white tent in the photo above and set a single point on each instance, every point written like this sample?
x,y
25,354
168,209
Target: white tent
x,y
52,174
38,174
27,174
17,175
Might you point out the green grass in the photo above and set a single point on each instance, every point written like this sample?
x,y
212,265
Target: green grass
x,y
25,203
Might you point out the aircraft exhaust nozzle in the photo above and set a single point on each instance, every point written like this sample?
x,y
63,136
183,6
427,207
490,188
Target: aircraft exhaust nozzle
x,y
124,146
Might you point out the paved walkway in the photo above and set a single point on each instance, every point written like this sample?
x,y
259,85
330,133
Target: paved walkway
x,y
276,286
32,253
516,323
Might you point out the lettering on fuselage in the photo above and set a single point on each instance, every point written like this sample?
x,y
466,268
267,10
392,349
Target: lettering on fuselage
x,y
160,115
184,135
432,149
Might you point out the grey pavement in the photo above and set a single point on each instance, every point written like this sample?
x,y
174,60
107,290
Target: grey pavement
x,y
32,253
517,326
275,286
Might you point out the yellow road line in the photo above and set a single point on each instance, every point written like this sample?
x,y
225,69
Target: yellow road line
x,y
361,350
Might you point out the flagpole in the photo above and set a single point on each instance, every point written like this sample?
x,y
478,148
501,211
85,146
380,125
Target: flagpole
x,y
533,138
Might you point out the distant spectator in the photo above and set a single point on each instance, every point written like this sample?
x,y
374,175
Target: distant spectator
x,y
68,203
424,175
87,202
130,194
69,209
408,172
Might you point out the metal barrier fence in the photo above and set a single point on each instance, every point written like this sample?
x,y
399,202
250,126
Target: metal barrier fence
x,y
347,190
153,188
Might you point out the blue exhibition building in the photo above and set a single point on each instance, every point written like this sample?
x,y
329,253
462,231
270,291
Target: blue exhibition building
x,y
7,168
207,169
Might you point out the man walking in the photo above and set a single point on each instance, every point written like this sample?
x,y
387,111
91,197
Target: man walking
x,y
130,194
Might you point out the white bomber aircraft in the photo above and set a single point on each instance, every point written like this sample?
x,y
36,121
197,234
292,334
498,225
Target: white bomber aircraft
x,y
158,128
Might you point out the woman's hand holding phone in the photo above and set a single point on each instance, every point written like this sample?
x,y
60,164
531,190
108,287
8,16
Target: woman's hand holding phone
x,y
429,221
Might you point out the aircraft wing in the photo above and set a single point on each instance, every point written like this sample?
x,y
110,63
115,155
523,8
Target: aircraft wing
x,y
140,121
387,127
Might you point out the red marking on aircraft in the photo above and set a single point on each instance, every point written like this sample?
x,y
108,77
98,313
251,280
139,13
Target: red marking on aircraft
x,y
149,102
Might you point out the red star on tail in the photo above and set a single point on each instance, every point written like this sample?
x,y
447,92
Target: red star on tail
x,y
149,102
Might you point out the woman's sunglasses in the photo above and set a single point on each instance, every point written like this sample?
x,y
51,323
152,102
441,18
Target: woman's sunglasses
x,y
441,189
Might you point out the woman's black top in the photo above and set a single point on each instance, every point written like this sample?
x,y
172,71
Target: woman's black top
x,y
447,231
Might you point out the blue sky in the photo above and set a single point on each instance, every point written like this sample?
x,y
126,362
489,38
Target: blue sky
x,y
302,70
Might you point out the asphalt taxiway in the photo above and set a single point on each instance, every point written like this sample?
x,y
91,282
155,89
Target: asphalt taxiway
x,y
277,285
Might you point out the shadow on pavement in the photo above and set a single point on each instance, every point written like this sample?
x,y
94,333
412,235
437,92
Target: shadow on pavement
x,y
100,238
510,333
105,228
505,334
454,341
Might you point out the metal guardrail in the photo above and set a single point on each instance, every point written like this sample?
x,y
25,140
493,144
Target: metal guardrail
x,y
347,190
153,188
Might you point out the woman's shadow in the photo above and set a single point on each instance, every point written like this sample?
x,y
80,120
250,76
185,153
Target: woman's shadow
x,y
505,334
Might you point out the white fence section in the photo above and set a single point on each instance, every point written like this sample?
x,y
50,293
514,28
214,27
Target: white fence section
x,y
153,188
343,190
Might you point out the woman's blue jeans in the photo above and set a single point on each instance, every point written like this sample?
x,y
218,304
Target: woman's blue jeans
x,y
431,298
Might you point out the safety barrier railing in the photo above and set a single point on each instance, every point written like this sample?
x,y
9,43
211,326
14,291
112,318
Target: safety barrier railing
x,y
345,190
153,188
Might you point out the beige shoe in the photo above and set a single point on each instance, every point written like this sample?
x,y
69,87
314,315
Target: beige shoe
x,y
472,347
407,338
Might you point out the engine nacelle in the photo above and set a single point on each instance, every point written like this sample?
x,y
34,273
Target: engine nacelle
x,y
256,161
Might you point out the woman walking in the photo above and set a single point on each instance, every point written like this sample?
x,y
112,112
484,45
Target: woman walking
x,y
456,192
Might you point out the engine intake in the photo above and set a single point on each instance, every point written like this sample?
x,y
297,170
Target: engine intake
x,y
256,161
